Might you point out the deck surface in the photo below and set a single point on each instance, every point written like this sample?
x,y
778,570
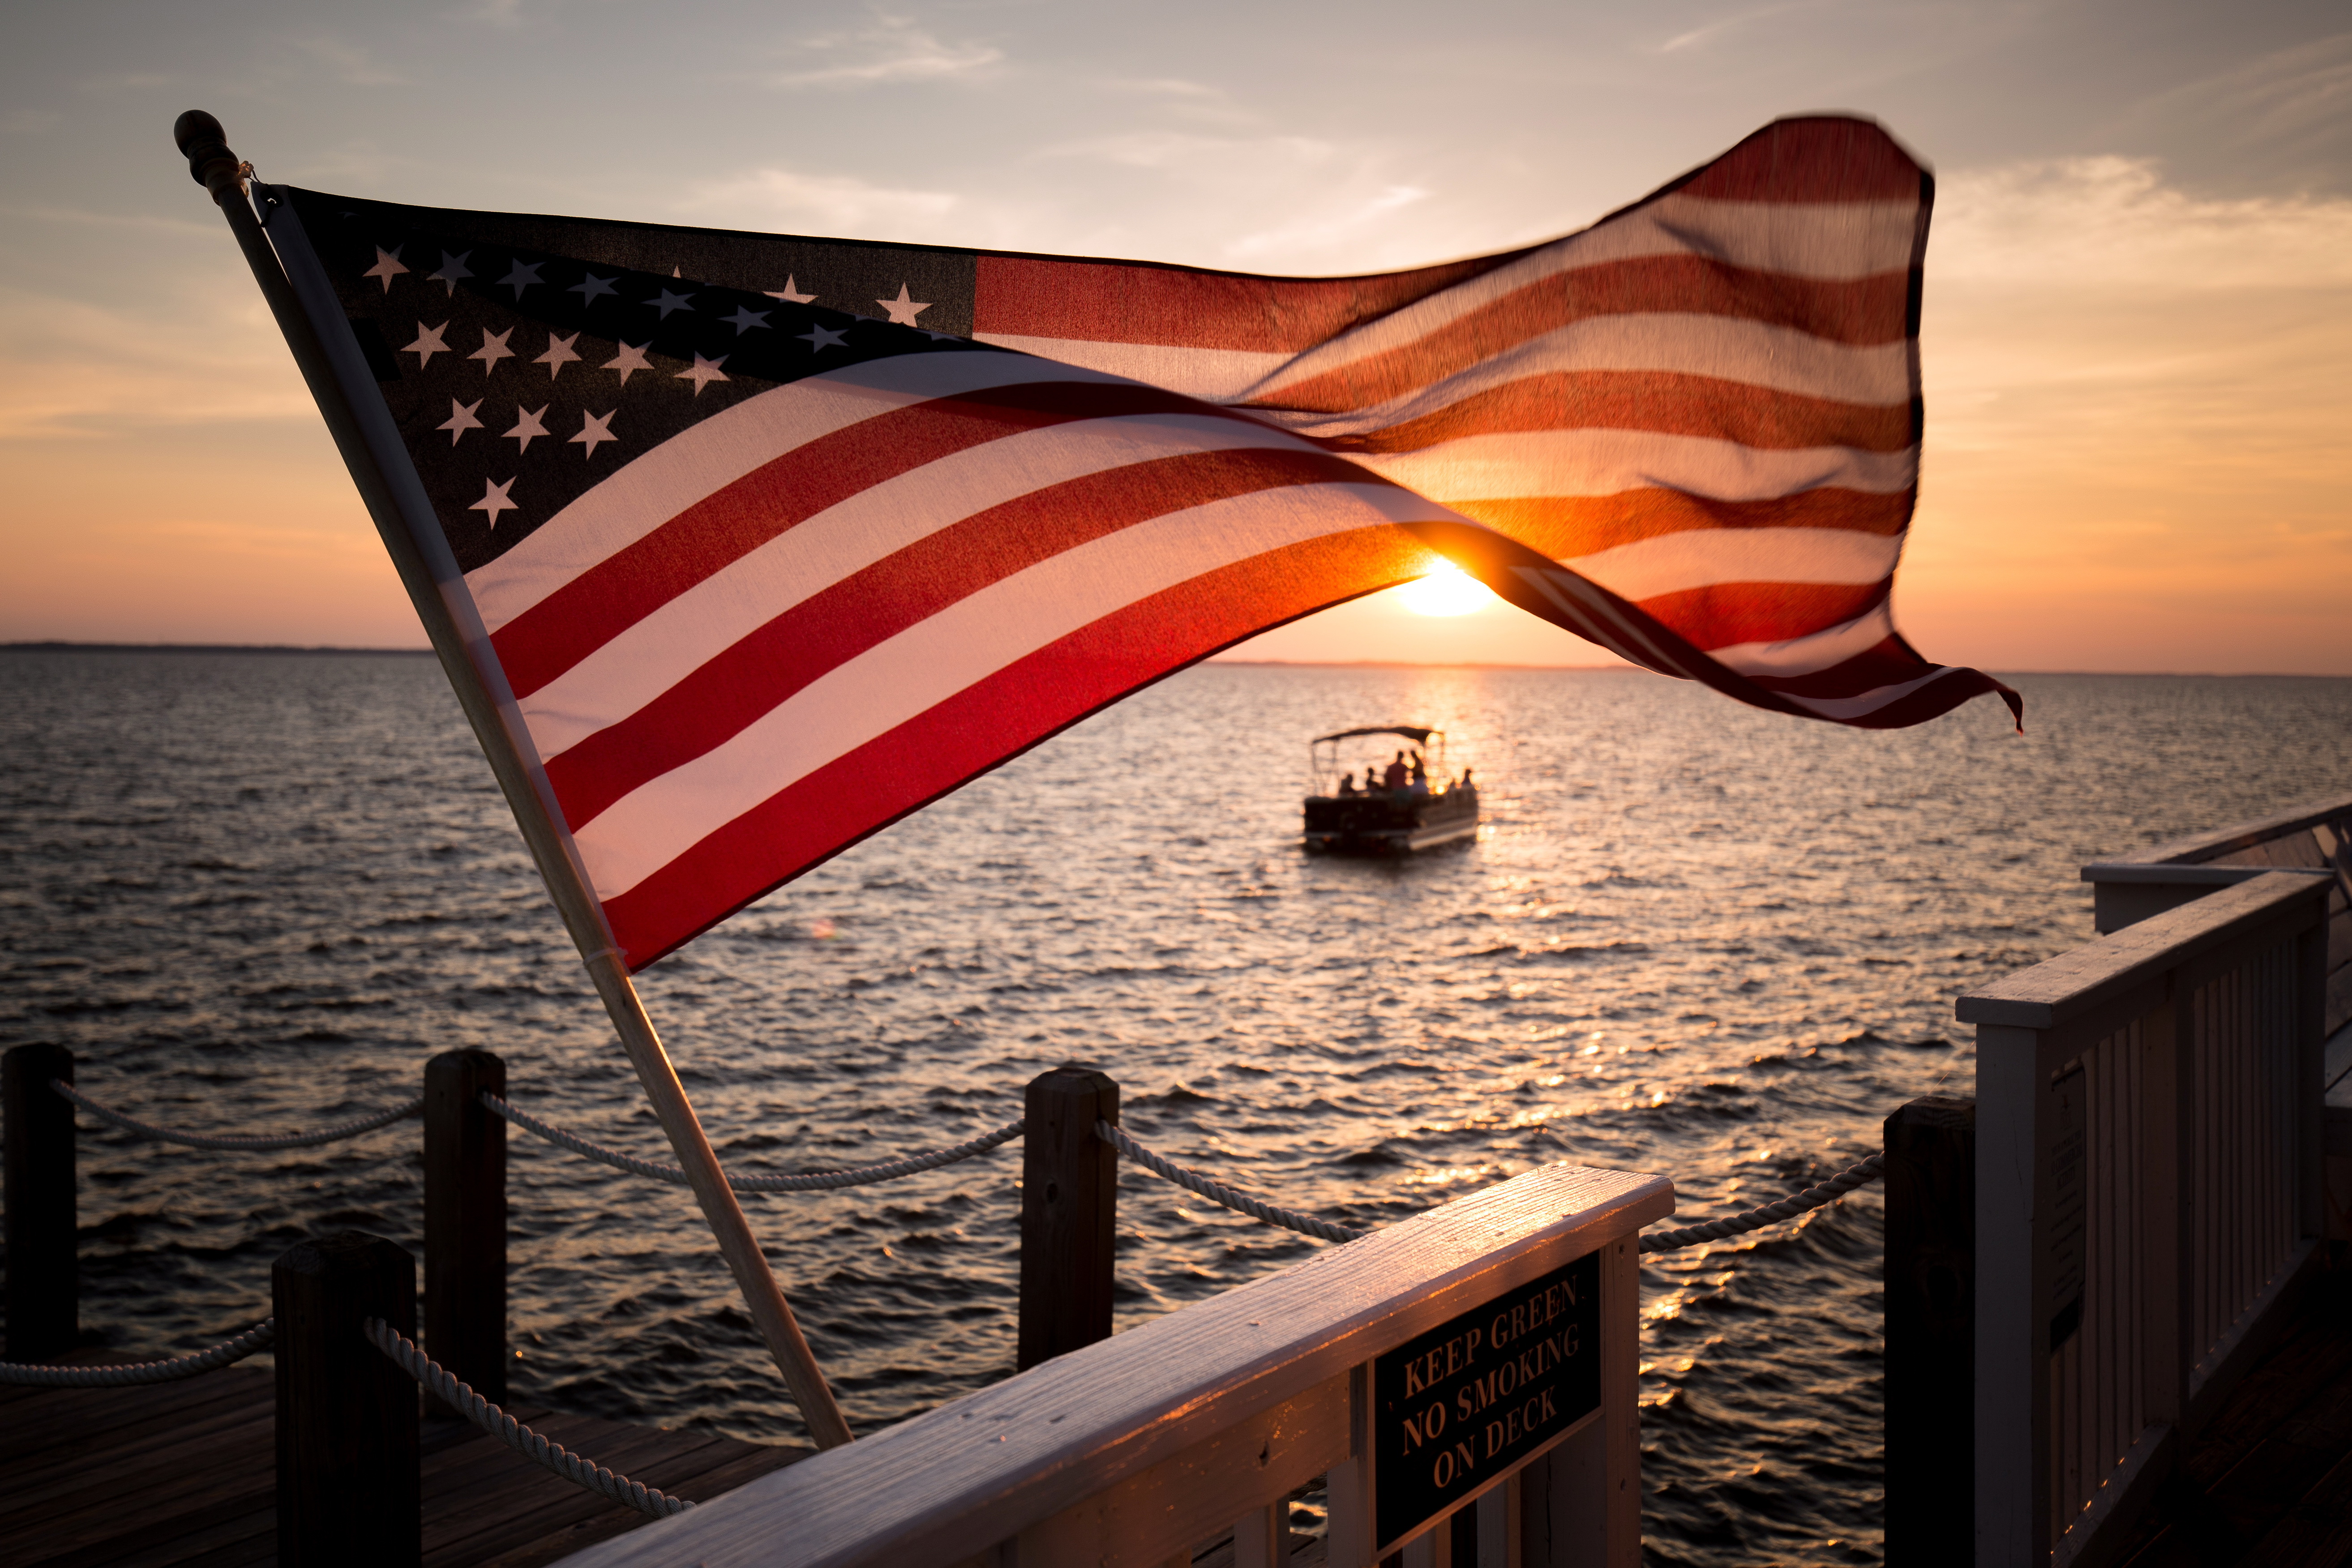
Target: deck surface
x,y
2269,1484
184,1473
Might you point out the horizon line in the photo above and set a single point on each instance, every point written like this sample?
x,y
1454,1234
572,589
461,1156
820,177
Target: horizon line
x,y
60,645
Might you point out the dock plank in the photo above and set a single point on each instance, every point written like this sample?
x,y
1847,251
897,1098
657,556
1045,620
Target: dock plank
x,y
2268,1483
2317,1534
182,1476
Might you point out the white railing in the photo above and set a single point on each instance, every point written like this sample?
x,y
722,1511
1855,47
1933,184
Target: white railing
x,y
1161,1442
2147,1196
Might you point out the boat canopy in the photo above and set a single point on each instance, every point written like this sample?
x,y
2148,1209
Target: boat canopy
x,y
1419,737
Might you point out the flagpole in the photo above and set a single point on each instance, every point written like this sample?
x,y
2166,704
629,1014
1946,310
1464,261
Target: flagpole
x,y
218,170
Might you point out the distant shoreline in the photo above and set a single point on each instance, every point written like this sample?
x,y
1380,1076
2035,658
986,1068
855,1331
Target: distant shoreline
x,y
291,650
285,648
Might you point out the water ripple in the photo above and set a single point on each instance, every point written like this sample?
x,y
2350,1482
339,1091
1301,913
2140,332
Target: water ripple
x,y
256,893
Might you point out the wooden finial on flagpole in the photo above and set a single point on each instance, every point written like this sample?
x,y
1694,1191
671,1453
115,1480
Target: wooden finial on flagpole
x,y
221,173
210,163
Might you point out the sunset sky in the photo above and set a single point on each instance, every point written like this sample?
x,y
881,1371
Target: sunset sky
x,y
2137,334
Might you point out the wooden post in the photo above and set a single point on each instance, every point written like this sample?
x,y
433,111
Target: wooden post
x,y
465,1222
347,1482
1931,1256
2013,1475
42,1285
1069,1212
372,449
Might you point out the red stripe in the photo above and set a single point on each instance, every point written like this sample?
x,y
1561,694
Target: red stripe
x,y
1660,401
994,721
715,531
1861,311
747,681
1818,158
1565,527
1731,613
1136,302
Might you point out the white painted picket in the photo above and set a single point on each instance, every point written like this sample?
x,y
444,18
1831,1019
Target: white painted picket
x,y
2148,1198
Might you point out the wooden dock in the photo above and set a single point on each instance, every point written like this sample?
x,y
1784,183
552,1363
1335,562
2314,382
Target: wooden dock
x,y
185,1473
2269,1482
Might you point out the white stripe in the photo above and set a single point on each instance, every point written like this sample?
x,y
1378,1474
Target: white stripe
x,y
715,453
1607,462
1213,376
1873,701
1830,241
658,651
900,678
1593,616
1751,353
1703,558
1803,656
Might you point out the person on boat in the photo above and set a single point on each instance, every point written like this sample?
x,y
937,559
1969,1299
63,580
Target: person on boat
x,y
1347,783
1465,781
1396,775
1420,775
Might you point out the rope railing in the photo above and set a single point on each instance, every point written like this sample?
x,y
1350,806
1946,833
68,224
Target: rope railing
x,y
239,1143
1217,1192
229,1352
1790,1208
743,1182
444,1384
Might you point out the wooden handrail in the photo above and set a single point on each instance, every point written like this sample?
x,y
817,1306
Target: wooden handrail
x,y
2199,848
1124,1447
2088,979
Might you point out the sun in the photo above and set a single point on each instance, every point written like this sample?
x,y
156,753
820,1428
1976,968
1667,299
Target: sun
x,y
1448,591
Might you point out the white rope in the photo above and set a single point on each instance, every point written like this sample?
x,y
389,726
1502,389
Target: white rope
x,y
1216,1192
438,1380
227,1351
239,1142
811,1181
1790,1208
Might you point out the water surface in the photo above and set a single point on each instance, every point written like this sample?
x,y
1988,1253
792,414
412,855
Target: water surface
x,y
255,892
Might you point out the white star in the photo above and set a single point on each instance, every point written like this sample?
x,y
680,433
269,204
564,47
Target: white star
x,y
461,419
428,343
791,292
903,310
590,286
704,373
559,353
594,427
387,265
745,319
494,349
818,337
451,268
629,360
667,301
494,500
527,426
520,276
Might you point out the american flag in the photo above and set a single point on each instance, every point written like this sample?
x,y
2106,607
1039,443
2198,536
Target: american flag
x,y
774,539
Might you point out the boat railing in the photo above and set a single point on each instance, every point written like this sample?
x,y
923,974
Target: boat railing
x,y
2148,1197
